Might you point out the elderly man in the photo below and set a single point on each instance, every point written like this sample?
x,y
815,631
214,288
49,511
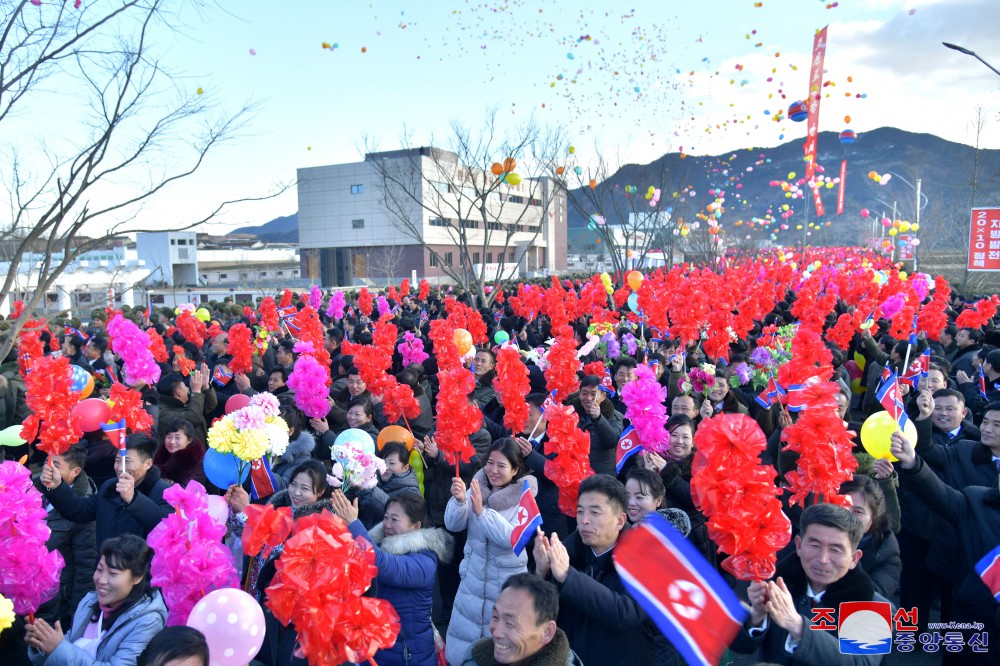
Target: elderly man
x,y
823,572
523,629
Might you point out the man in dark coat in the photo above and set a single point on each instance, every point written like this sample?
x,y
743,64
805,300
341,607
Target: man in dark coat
x,y
76,542
967,341
599,419
178,401
822,572
131,503
975,512
605,625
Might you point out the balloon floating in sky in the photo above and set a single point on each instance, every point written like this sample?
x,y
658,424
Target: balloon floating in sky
x,y
847,137
798,111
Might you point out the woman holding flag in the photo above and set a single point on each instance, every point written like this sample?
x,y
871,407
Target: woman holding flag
x,y
488,510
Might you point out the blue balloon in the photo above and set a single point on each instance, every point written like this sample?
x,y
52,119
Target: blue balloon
x,y
633,302
78,378
222,469
357,437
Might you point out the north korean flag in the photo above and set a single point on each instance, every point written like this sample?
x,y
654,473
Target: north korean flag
x,y
262,481
682,593
889,396
917,371
115,433
288,315
771,395
794,400
606,384
982,383
988,569
550,401
529,518
628,445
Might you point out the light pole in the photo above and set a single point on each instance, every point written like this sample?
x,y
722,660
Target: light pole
x,y
921,204
969,52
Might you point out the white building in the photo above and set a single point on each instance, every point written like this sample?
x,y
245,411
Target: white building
x,y
348,236
259,265
172,256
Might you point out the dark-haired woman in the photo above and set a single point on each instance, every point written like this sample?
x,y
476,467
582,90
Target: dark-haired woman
x,y
176,646
880,550
488,511
180,454
407,555
113,624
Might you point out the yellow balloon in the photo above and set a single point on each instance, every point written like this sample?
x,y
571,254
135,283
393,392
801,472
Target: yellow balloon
x,y
914,227
572,149
904,226
203,314
902,275
876,434
892,232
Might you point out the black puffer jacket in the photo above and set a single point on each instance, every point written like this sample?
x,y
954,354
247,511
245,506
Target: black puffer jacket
x,y
438,475
604,432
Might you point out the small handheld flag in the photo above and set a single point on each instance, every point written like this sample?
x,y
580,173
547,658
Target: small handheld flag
x,y
889,396
629,444
69,330
771,394
687,599
982,383
794,399
988,569
606,384
116,435
550,401
529,518
262,481
917,371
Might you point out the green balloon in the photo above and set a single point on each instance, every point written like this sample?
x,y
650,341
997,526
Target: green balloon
x,y
501,337
11,436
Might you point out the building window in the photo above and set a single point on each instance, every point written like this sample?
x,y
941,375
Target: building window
x,y
357,189
438,222
223,276
84,298
444,188
475,257
534,202
434,259
447,258
470,224
494,226
515,199
357,224
204,277
263,274
502,257
281,274
173,241
489,257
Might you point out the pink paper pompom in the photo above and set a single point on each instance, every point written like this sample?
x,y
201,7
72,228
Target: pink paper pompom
x,y
644,399
132,344
383,306
337,305
29,573
892,305
189,559
412,349
315,298
308,381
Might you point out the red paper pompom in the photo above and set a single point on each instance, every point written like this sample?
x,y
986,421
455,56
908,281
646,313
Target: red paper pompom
x,y
156,346
563,364
365,302
269,317
240,347
457,416
512,385
126,403
571,447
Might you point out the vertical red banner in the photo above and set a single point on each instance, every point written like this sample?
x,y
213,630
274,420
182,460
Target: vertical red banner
x,y
815,94
840,189
984,240
820,211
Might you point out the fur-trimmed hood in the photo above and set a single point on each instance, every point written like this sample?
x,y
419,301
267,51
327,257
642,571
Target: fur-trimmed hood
x,y
434,539
556,652
506,497
300,447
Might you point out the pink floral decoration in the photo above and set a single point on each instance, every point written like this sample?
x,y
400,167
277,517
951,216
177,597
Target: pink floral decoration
x,y
132,344
412,349
308,381
337,305
644,400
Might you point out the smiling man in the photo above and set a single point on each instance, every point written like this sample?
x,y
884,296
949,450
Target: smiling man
x,y
822,573
523,629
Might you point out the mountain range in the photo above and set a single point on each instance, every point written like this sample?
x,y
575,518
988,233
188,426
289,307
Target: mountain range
x,y
946,170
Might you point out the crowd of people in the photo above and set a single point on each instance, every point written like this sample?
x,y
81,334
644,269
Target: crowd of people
x,y
911,533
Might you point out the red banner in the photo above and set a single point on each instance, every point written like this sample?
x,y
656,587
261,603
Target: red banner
x,y
819,202
840,189
815,94
984,240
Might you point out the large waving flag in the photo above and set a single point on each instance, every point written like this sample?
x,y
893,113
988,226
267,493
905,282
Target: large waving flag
x,y
988,569
529,518
629,444
686,598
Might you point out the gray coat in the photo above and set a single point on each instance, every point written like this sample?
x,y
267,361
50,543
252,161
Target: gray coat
x,y
299,449
121,644
487,563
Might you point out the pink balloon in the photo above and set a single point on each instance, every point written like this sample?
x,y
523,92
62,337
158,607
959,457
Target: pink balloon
x,y
92,412
218,509
886,222
233,625
237,402
864,212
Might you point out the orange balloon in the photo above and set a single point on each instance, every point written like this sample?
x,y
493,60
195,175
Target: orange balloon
x,y
593,184
634,279
509,164
394,433
560,170
463,340
496,169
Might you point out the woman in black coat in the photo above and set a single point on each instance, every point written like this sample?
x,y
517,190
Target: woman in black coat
x,y
879,548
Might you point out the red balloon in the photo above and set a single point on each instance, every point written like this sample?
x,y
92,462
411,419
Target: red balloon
x,y
237,402
92,412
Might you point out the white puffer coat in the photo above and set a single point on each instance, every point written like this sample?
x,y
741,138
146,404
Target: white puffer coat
x,y
488,560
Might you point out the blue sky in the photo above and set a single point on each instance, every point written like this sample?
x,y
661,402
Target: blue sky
x,y
634,79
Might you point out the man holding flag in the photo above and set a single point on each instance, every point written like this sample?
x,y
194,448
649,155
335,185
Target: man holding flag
x,y
130,503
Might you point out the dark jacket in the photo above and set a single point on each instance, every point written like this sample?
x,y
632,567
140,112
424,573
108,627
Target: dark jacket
x,y
604,624
880,560
975,511
676,477
77,543
193,411
407,572
604,432
484,393
400,483
817,647
963,361
182,466
555,653
112,516
438,475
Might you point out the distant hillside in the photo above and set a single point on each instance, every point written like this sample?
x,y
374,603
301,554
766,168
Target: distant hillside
x,y
279,230
946,170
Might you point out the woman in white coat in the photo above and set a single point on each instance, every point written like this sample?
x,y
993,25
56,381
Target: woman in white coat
x,y
488,510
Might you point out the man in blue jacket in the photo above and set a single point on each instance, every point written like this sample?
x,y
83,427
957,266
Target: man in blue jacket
x,y
130,503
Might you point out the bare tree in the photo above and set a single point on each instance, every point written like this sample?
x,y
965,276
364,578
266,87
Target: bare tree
x,y
629,218
483,190
386,261
131,131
